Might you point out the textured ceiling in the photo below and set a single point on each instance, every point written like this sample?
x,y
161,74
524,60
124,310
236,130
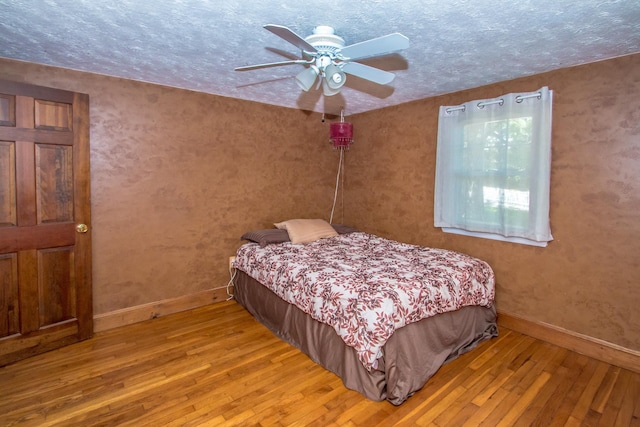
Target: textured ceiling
x,y
195,44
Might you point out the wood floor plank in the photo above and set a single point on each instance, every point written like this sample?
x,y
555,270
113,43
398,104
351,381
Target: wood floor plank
x,y
525,400
216,365
561,404
455,414
635,392
564,369
589,391
494,349
613,411
489,407
603,393
629,401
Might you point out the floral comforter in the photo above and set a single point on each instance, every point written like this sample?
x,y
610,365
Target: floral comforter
x,y
366,286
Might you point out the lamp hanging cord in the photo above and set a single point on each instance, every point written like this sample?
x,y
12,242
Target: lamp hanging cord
x,y
230,283
335,195
342,193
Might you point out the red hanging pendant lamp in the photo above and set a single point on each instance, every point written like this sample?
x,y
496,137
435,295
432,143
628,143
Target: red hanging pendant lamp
x,y
341,134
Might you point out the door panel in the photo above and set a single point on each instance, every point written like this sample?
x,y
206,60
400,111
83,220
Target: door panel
x,y
45,265
28,295
7,110
9,320
54,183
56,285
52,115
7,183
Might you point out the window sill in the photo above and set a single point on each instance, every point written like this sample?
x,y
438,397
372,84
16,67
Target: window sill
x,y
519,240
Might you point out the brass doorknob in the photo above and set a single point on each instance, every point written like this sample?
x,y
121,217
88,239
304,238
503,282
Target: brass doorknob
x,y
82,228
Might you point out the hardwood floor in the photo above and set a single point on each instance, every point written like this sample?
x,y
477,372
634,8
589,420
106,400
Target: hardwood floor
x,y
215,365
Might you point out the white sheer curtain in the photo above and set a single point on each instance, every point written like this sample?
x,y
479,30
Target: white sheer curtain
x,y
493,168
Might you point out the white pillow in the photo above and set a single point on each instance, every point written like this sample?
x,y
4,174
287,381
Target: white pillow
x,y
307,230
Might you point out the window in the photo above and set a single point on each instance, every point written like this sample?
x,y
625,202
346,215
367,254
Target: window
x,y
493,168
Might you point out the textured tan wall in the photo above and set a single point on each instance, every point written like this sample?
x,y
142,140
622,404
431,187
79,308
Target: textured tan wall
x,y
173,172
178,176
588,279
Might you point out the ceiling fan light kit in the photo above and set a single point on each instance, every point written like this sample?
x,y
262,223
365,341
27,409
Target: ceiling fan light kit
x,y
330,60
307,78
334,79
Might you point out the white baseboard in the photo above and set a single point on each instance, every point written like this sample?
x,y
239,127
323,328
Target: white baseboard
x,y
583,344
129,315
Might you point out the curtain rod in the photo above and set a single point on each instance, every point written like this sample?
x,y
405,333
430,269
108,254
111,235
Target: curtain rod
x,y
500,101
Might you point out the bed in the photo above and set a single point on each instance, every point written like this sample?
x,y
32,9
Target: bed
x,y
382,315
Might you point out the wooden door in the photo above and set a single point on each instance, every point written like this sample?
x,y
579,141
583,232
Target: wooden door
x,y
45,234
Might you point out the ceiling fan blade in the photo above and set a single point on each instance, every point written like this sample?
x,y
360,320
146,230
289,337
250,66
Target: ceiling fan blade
x,y
366,72
272,64
288,35
378,46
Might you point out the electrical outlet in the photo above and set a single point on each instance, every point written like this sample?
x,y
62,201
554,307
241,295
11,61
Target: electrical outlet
x,y
231,259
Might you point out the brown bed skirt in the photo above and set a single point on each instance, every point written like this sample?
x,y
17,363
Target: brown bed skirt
x,y
410,357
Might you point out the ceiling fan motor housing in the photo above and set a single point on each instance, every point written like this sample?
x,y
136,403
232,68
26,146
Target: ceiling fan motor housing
x,y
325,40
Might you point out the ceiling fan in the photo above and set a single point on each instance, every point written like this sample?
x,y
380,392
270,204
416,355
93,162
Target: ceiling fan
x,y
329,60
